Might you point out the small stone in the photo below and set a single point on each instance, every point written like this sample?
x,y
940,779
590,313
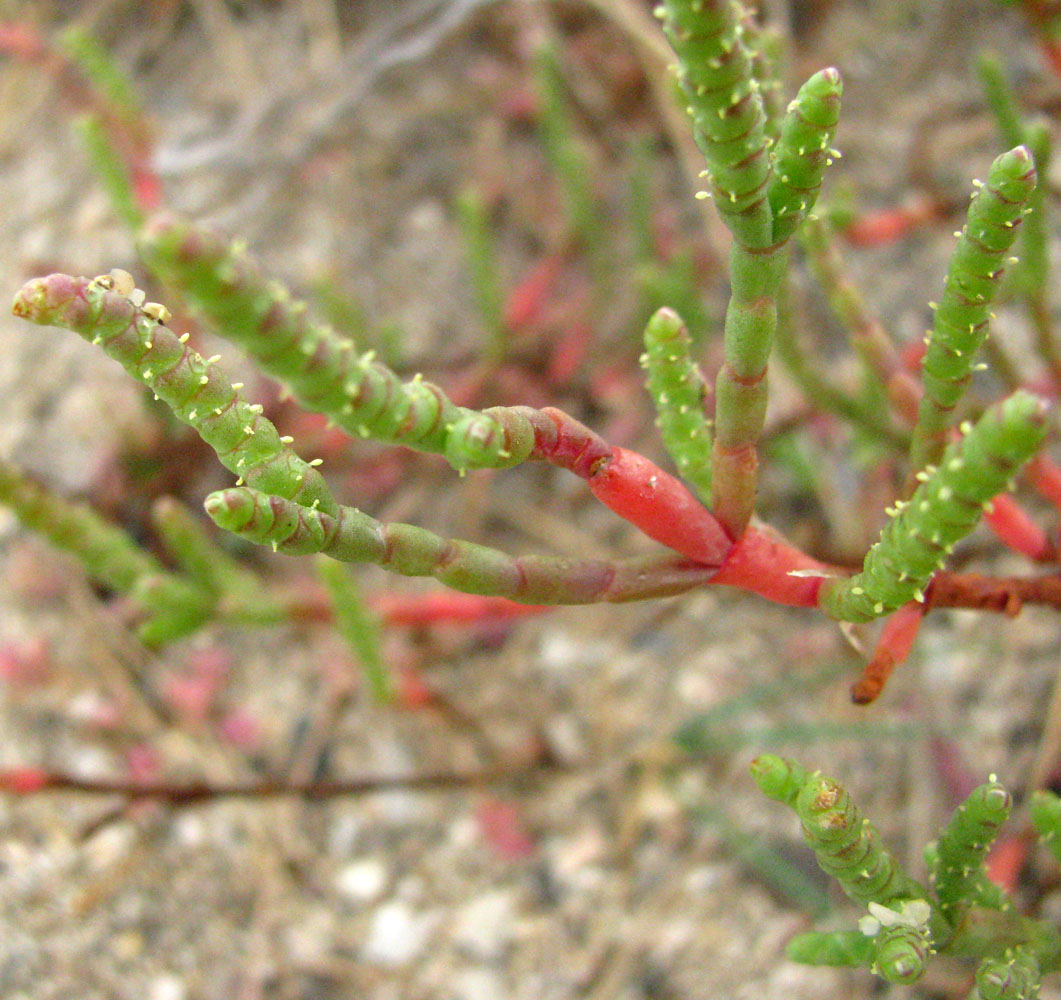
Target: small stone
x,y
167,987
362,880
478,984
484,926
397,935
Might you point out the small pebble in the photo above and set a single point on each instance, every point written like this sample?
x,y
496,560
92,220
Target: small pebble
x,y
484,926
362,880
167,987
397,935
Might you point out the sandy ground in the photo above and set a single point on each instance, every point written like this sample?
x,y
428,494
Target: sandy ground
x,y
334,138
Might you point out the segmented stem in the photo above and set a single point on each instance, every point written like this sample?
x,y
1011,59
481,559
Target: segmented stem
x,y
944,508
108,554
679,391
900,953
741,389
973,280
352,536
729,122
196,389
779,778
321,369
848,846
803,151
957,868
1013,976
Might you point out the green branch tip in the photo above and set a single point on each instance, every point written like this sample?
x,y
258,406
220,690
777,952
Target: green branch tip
x,y
944,508
320,368
779,778
196,389
957,858
973,281
804,150
729,121
679,391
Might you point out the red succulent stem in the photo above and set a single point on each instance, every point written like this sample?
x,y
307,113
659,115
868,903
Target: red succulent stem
x,y
893,647
1045,476
1015,528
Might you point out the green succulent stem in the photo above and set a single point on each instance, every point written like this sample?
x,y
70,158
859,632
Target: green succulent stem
x,y
729,121
196,389
944,508
958,856
973,281
321,369
353,536
679,392
175,606
905,926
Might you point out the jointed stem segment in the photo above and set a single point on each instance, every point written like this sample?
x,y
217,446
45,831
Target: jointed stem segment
x,y
352,536
973,280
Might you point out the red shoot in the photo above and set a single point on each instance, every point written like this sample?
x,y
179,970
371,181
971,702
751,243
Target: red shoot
x,y
874,229
1045,476
1011,523
25,780
657,503
896,639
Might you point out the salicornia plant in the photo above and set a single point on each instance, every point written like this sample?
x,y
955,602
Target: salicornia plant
x,y
956,458
764,171
963,913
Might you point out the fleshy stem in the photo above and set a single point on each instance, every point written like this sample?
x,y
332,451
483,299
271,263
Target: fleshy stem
x,y
680,392
353,536
847,845
196,389
761,196
956,860
250,446
175,606
973,280
1032,275
944,509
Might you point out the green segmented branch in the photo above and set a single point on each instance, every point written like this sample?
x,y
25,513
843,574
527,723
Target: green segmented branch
x,y
195,389
943,509
973,280
1046,816
109,555
729,122
957,868
1014,976
679,392
779,778
833,948
847,845
803,151
322,370
352,536
900,953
